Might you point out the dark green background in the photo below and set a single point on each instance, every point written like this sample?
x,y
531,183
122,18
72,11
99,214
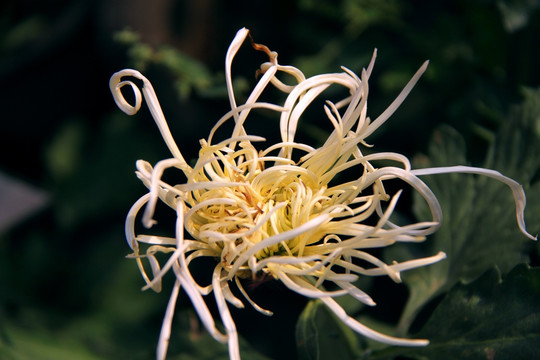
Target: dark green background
x,y
66,291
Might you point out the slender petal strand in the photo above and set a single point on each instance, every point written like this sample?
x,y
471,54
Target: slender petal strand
x,y
281,211
517,189
165,333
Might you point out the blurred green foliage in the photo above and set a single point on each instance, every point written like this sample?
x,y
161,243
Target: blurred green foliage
x,y
66,290
189,74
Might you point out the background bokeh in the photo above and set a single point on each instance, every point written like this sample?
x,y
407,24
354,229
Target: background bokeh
x,y
67,154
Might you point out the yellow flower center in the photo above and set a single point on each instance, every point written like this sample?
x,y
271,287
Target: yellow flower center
x,y
253,202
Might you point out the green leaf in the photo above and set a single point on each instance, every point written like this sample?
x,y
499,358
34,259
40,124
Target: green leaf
x,y
479,227
517,144
320,335
486,319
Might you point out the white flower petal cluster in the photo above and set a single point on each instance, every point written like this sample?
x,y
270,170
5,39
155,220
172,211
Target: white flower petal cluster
x,y
281,211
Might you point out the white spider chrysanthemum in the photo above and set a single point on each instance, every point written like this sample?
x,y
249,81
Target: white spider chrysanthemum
x,y
264,211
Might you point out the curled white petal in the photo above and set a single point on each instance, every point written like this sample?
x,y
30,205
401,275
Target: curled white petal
x,y
116,85
517,189
367,332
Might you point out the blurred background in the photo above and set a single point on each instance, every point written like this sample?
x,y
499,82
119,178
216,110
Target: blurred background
x,y
67,154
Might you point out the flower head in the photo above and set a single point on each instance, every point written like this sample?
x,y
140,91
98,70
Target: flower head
x,y
282,210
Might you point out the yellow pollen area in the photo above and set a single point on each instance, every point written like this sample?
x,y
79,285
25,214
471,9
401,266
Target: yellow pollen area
x,y
246,202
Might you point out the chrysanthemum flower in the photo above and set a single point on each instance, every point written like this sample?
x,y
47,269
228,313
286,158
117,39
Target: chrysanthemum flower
x,y
280,210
